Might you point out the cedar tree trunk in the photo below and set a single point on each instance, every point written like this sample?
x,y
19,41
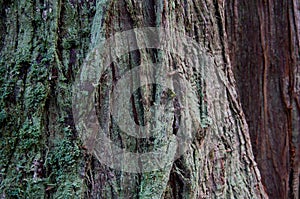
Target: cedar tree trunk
x,y
264,52
44,45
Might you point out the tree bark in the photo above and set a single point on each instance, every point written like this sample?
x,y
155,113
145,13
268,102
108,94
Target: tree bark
x,y
264,52
44,46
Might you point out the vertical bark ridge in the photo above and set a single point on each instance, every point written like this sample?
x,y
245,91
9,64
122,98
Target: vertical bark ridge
x,y
41,154
222,159
268,90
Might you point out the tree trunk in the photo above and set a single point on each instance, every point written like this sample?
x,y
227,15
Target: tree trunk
x,y
264,52
45,43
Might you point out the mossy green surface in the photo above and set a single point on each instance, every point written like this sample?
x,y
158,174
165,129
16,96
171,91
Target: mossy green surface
x,y
44,44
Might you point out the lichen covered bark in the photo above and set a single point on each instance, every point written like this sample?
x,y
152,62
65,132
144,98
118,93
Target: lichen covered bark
x,y
218,165
45,44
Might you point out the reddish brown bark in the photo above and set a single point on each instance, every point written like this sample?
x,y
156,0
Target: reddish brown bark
x,y
264,51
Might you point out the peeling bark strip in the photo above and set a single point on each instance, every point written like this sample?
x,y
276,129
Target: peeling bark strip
x,y
264,51
44,45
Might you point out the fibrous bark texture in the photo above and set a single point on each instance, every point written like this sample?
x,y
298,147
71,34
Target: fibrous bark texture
x,y
264,51
44,44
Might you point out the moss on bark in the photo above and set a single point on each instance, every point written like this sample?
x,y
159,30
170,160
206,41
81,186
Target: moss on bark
x,y
41,155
